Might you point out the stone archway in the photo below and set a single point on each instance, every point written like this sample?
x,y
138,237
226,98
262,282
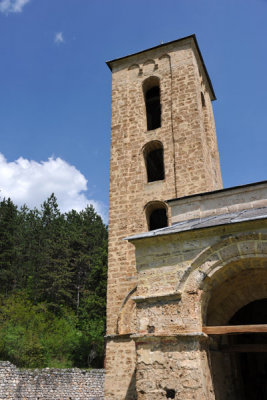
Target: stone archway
x,y
220,281
233,292
220,262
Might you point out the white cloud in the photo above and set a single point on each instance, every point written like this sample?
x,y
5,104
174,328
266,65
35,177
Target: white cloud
x,y
59,38
12,6
30,182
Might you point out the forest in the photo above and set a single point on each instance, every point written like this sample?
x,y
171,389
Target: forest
x,y
53,269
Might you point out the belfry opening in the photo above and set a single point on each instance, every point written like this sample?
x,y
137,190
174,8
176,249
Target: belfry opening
x,y
153,155
151,88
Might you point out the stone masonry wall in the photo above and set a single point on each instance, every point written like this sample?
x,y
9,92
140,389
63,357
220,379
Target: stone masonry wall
x,y
191,163
50,384
185,281
172,368
189,142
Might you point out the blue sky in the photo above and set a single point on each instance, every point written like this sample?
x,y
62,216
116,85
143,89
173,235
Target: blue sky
x,y
55,89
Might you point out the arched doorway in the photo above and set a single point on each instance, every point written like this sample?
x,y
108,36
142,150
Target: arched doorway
x,y
236,322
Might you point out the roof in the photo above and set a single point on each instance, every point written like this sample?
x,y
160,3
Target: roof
x,y
251,214
109,63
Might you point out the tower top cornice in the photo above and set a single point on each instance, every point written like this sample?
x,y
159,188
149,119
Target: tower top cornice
x,y
118,62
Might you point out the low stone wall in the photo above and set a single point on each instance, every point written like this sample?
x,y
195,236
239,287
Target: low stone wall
x,y
50,384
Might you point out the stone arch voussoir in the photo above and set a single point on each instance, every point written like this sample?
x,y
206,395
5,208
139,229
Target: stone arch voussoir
x,y
215,257
235,257
127,316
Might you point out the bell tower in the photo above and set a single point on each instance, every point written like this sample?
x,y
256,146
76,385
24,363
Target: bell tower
x,y
163,146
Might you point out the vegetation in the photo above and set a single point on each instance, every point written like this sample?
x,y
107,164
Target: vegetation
x,y
53,270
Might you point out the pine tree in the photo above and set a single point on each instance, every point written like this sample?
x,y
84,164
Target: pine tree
x,y
8,249
55,274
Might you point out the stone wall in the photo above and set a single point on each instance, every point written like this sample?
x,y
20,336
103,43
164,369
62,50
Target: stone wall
x,y
189,147
191,165
187,280
50,384
224,201
172,368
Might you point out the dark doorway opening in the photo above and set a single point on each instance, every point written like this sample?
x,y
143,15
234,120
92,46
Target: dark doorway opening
x,y
249,357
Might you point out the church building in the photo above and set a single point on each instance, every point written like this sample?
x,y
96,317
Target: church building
x,y
187,273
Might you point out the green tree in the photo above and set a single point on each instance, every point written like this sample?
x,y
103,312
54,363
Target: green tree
x,y
8,245
55,275
53,269
32,336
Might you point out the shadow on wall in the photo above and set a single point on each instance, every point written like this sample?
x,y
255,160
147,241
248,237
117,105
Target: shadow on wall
x,y
131,392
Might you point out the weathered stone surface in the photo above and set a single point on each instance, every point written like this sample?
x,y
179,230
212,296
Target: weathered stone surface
x,y
191,164
253,196
50,384
205,266
228,272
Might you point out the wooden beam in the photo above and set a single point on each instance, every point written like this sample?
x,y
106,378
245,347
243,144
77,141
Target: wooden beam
x,y
244,348
228,329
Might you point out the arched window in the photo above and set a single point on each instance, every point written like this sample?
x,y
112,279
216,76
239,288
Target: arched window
x,y
156,213
151,88
153,154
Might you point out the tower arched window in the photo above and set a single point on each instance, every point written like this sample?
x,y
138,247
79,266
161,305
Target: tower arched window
x,y
154,160
151,88
156,214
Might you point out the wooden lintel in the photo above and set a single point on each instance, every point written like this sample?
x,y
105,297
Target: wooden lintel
x,y
244,348
228,329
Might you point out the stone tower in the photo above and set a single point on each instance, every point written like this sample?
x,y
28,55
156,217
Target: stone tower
x,y
163,146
